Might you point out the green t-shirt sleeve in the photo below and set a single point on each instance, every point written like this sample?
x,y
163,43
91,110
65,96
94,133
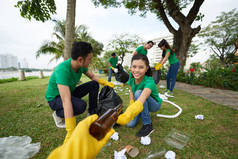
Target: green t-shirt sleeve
x,y
129,81
168,50
84,70
62,77
110,60
138,49
150,84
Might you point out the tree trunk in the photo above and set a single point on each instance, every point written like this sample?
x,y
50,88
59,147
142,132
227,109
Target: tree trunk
x,y
181,43
69,28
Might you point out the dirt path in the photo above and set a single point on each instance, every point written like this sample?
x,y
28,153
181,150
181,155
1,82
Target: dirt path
x,y
219,96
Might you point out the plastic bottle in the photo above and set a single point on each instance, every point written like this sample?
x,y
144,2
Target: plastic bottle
x,y
103,124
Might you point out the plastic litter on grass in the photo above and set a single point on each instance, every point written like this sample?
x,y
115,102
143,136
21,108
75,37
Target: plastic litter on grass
x,y
176,139
156,154
18,147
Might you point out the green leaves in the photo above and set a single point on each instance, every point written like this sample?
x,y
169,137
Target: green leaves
x,y
222,34
40,10
124,43
56,48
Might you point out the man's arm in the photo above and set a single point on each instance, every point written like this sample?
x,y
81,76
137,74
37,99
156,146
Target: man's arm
x,y
65,95
96,78
92,76
135,53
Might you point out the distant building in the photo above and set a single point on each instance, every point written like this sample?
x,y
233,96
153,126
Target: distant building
x,y
24,63
8,60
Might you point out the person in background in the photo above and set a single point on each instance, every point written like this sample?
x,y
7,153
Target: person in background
x,y
143,95
168,54
112,65
143,48
63,94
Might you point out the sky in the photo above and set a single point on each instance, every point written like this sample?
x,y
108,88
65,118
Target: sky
x,y
22,38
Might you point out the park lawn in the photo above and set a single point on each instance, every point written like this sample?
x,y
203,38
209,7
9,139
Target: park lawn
x,y
24,111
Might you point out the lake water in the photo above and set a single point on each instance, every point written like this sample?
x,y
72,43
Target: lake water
x,y
10,74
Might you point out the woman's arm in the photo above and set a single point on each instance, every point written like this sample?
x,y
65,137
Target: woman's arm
x,y
131,95
144,95
165,58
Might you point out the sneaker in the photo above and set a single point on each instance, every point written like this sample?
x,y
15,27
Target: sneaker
x,y
165,91
59,122
169,94
146,130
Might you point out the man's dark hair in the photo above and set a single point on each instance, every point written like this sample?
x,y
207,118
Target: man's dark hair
x,y
81,49
151,42
113,54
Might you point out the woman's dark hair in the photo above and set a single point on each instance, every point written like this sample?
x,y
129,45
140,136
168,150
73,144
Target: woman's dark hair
x,y
145,59
81,49
163,42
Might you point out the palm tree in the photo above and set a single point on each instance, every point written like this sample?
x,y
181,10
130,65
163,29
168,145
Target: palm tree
x,y
57,48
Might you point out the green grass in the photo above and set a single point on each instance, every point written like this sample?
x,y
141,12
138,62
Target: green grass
x,y
24,111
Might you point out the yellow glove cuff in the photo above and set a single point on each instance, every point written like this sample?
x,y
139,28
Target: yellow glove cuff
x,y
131,112
158,66
112,68
70,124
105,83
131,102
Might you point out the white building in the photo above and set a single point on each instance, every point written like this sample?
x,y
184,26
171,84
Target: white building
x,y
7,60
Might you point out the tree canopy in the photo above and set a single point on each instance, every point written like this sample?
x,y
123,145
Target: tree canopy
x,y
163,10
40,10
221,35
124,43
56,47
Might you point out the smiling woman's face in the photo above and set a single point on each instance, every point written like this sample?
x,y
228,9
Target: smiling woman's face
x,y
138,69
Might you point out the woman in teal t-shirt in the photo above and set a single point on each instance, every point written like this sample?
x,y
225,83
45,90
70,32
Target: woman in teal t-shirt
x,y
168,54
143,88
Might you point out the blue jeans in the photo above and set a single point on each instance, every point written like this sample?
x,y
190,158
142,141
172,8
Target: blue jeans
x,y
79,106
171,76
150,105
110,74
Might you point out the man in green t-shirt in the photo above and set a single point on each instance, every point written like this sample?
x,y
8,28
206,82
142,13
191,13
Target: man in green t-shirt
x,y
112,65
63,94
143,48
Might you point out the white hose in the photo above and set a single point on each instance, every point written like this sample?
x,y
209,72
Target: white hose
x,y
170,116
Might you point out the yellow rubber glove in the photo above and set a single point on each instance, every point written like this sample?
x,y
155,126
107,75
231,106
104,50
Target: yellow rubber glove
x,y
131,102
158,66
81,145
105,83
70,124
112,68
131,112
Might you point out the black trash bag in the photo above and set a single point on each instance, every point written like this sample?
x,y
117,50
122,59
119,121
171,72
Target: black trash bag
x,y
121,75
108,98
156,74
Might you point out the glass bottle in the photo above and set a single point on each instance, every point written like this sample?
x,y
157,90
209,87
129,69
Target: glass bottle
x,y
103,124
